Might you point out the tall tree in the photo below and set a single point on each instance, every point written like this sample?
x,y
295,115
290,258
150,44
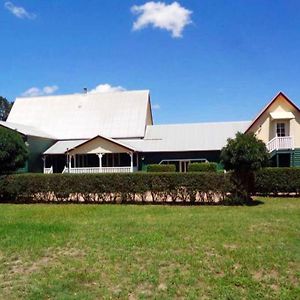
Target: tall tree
x,y
5,107
13,151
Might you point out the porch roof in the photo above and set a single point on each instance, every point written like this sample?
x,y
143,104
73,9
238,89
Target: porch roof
x,y
62,147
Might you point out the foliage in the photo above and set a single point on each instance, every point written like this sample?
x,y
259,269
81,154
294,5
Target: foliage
x,y
202,167
115,188
5,107
13,151
244,155
161,168
274,181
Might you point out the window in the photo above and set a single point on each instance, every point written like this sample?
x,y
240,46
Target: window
x,y
280,129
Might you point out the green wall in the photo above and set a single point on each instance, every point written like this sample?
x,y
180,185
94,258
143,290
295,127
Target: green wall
x,y
37,146
296,158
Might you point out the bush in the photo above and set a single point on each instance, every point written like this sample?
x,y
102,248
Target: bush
x,y
202,167
13,151
244,155
129,188
272,181
161,168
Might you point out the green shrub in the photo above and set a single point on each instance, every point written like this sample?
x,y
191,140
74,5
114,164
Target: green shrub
x,y
244,155
132,188
272,181
161,168
202,167
13,151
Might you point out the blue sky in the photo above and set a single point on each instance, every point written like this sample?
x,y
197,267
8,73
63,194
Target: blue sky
x,y
231,58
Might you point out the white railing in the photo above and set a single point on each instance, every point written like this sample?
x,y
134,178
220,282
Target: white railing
x,y
48,170
97,170
281,143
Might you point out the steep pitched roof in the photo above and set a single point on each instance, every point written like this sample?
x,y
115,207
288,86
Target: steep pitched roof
x,y
83,116
280,94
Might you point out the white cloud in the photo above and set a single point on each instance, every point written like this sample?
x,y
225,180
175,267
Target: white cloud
x,y
172,17
106,88
50,89
19,11
35,91
156,106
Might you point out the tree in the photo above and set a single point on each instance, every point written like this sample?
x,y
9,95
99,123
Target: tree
x,y
5,107
244,155
13,151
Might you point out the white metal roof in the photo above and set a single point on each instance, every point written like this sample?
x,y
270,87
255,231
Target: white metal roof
x,y
83,116
172,138
187,137
26,130
61,147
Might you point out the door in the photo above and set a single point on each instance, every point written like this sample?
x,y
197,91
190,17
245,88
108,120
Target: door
x,y
281,129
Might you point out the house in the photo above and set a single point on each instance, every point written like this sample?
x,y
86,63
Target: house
x,y
114,132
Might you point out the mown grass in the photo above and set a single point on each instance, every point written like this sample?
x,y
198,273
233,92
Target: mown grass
x,y
147,252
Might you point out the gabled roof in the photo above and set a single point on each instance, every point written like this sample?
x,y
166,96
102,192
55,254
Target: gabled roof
x,y
116,142
187,137
83,116
26,130
280,94
63,147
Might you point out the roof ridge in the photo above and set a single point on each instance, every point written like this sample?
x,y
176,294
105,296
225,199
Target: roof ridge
x,y
201,123
82,94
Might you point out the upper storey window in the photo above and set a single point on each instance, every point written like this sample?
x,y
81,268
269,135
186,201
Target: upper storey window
x,y
280,129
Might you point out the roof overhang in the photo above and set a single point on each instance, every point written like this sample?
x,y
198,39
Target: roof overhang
x,y
26,130
283,115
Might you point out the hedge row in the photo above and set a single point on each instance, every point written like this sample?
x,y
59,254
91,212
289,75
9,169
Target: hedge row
x,y
193,188
202,167
112,188
276,181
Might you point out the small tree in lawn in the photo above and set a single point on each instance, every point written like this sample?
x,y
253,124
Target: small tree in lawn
x,y
244,155
13,151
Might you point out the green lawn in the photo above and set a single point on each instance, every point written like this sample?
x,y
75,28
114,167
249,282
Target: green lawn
x,y
147,252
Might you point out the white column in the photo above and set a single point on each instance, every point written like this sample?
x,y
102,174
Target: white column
x,y
44,163
131,161
70,162
100,155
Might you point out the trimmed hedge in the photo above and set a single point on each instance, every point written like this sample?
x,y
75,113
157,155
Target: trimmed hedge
x,y
115,188
274,181
192,188
161,168
202,167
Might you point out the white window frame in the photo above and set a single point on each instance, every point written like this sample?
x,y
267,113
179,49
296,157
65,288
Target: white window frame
x,y
282,130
